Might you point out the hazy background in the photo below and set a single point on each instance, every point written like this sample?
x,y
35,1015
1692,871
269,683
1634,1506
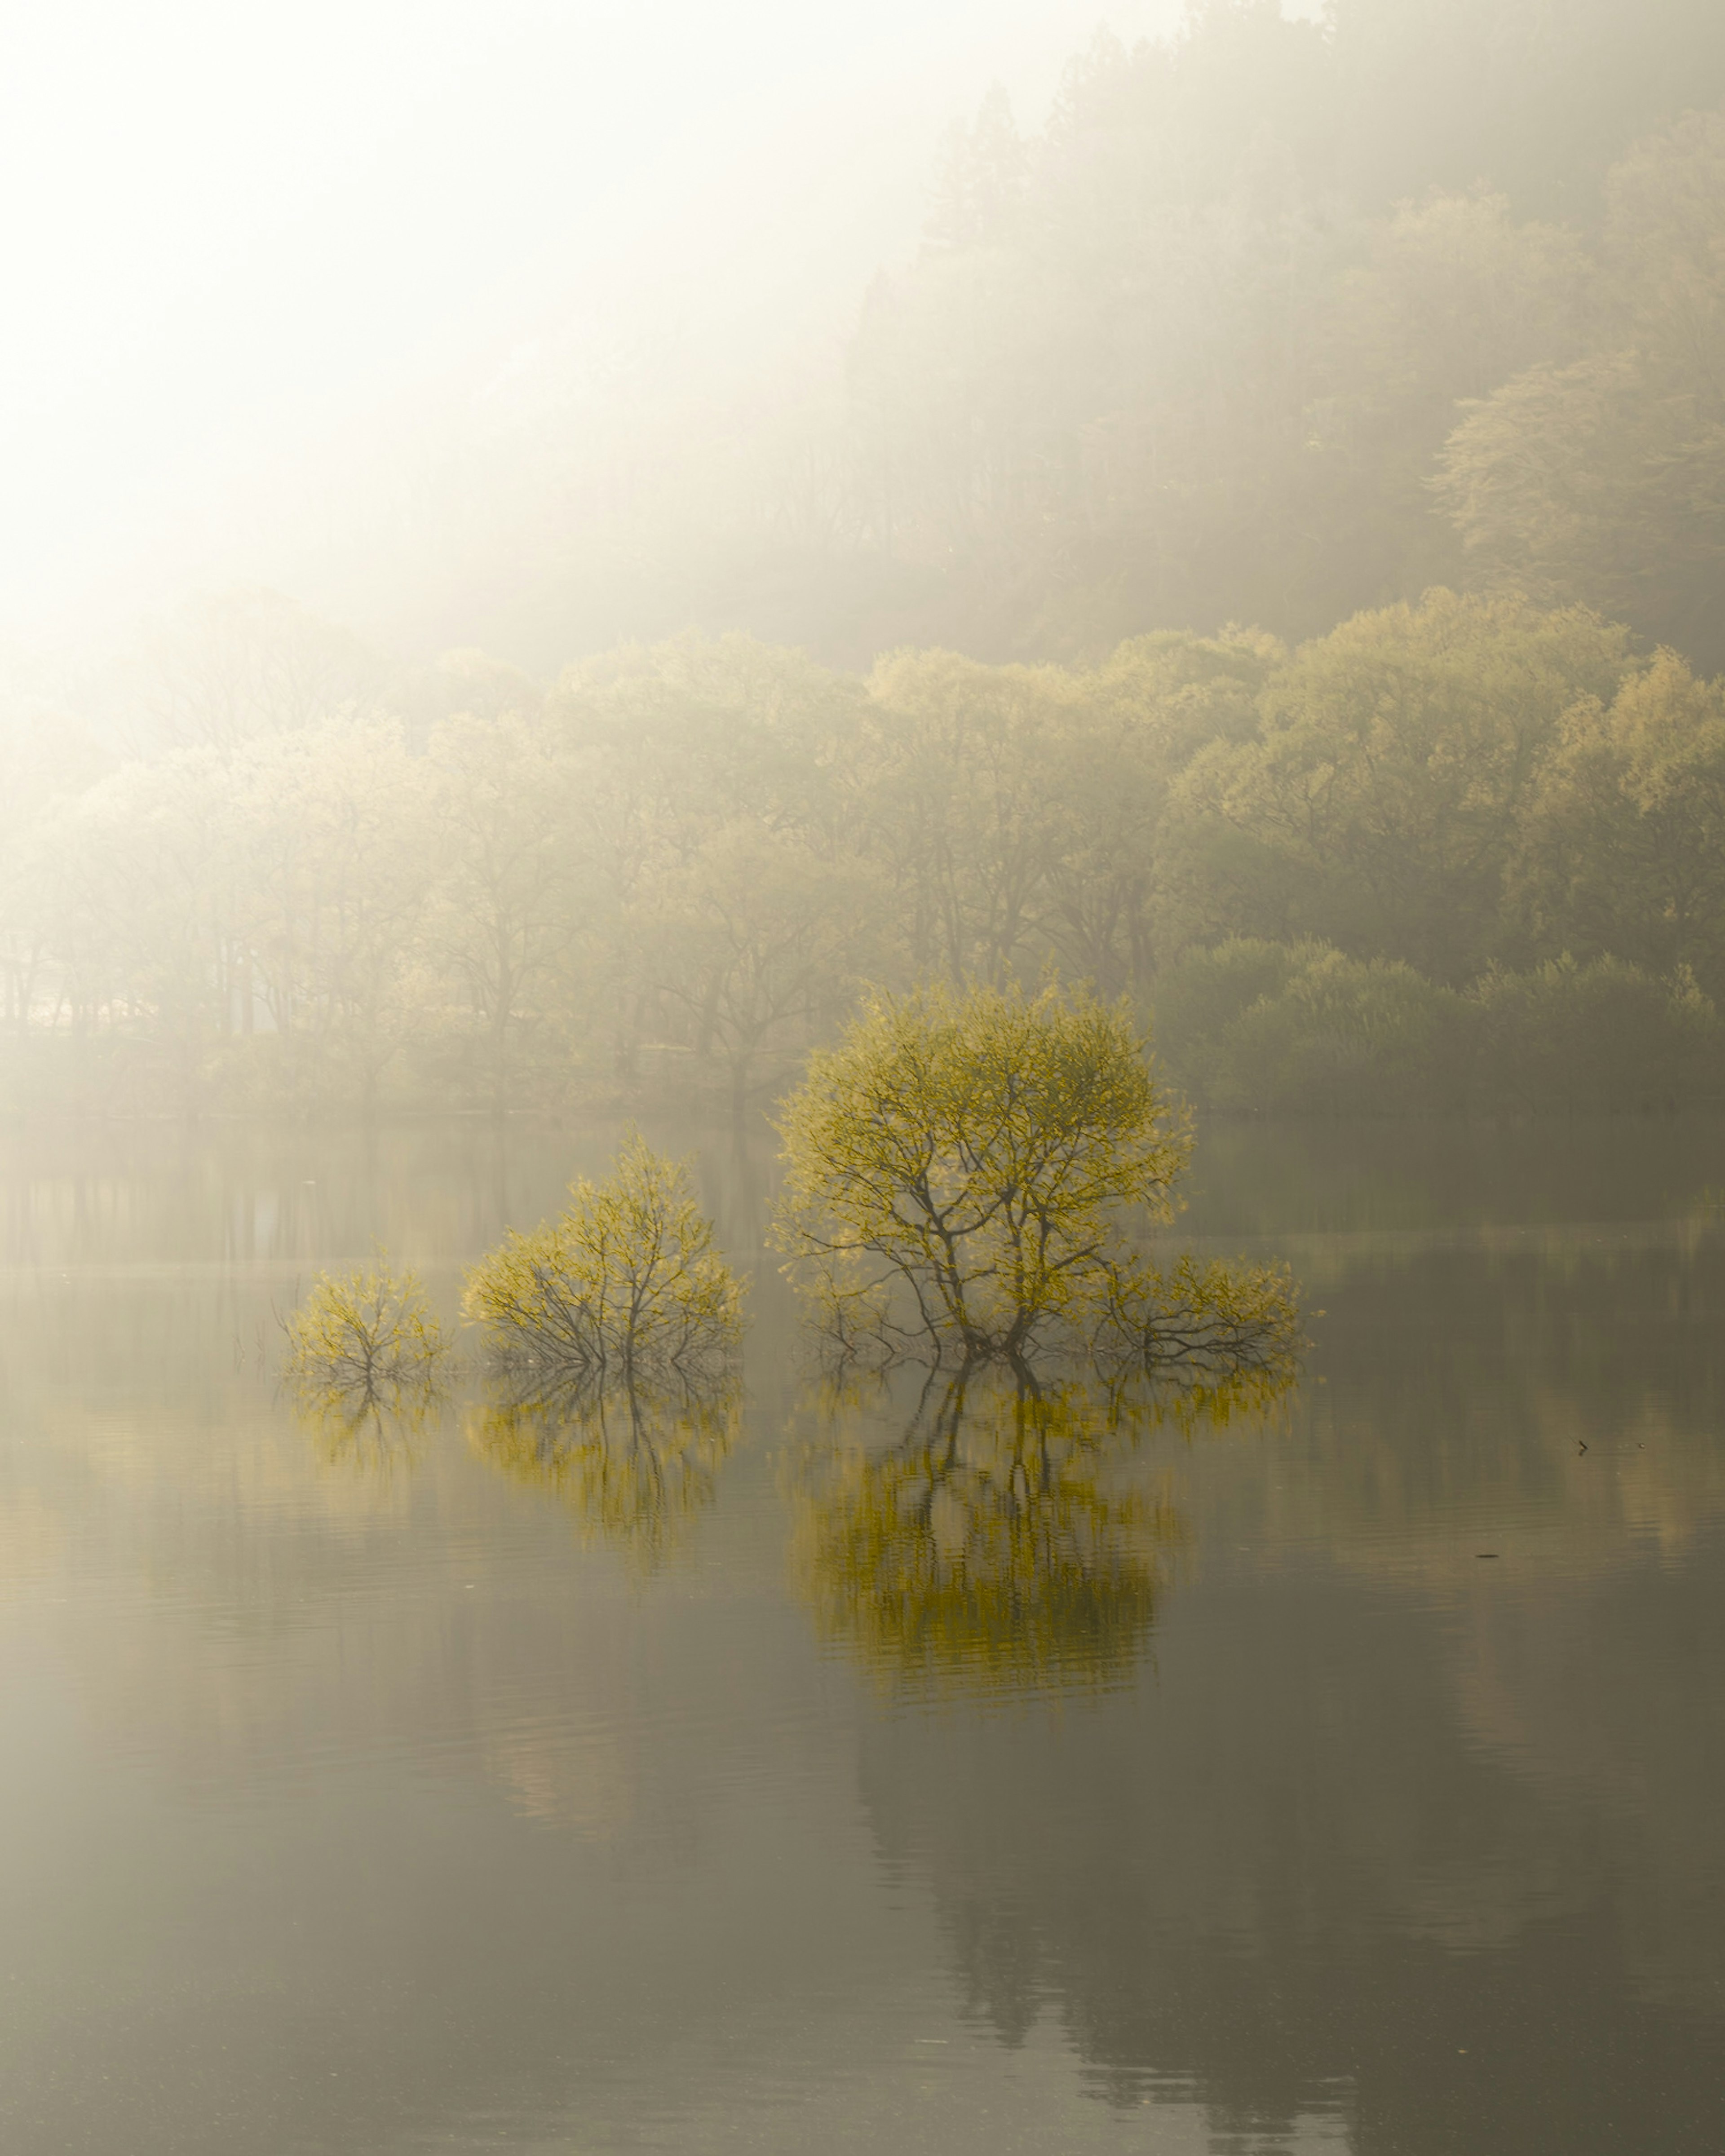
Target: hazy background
x,y
547,546
279,278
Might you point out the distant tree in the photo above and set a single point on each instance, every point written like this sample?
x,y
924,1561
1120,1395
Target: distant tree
x,y
961,806
670,747
1605,1036
333,832
764,944
513,886
247,662
1602,480
466,684
1622,844
133,910
1378,810
981,182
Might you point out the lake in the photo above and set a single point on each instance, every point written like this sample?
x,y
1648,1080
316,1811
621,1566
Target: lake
x,y
1347,1776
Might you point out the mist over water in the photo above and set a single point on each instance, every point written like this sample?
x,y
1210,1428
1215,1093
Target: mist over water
x,y
381,1794
887,605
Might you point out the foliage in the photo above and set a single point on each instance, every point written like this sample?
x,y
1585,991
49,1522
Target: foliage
x,y
1304,1029
511,890
1301,325
1622,841
763,940
364,1331
1604,479
625,1285
1605,1036
678,870
1228,1334
955,1170
1193,354
1377,808
962,1174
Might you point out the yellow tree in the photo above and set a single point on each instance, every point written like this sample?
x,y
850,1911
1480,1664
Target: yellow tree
x,y
958,1166
365,1352
625,1285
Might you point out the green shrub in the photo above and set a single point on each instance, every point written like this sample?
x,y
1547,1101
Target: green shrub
x,y
1199,998
1607,1036
1302,1028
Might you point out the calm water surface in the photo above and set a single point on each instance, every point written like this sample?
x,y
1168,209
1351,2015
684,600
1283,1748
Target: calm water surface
x,y
1346,1778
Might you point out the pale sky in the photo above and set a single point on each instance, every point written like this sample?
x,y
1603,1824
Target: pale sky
x,y
242,239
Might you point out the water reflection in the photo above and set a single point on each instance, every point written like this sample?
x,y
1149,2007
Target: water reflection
x,y
353,1812
373,1428
1008,1535
635,1463
1387,1833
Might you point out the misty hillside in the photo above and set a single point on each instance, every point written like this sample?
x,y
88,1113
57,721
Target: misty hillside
x,y
1269,323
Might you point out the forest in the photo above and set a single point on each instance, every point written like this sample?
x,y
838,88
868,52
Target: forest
x,y
1271,322
1460,855
1262,561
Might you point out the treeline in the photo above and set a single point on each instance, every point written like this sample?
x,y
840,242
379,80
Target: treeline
x,y
1272,322
1470,853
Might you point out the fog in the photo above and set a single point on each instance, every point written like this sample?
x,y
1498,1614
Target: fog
x,y
267,264
862,1076
551,550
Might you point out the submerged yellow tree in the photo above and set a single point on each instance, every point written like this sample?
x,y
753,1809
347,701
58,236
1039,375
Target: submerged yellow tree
x,y
964,1172
625,1285
362,1331
365,1355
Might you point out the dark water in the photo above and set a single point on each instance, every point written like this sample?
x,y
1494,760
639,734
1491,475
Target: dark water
x,y
376,1790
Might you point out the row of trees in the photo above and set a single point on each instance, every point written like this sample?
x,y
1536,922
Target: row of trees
x,y
680,864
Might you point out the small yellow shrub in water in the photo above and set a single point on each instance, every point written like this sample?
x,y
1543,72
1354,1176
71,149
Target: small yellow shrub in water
x,y
625,1284
364,1331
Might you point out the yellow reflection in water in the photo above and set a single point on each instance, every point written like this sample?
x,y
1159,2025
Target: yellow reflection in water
x,y
635,1464
372,1429
1008,1539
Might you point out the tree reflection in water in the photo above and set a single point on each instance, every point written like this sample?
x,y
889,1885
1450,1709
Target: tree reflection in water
x,y
373,1428
1007,1539
634,1463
